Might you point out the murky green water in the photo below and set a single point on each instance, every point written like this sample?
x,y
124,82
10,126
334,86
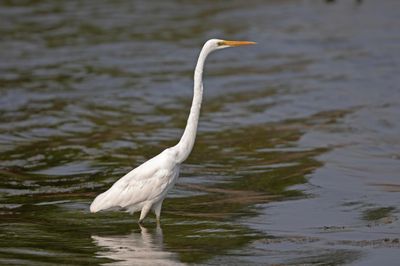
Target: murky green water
x,y
297,156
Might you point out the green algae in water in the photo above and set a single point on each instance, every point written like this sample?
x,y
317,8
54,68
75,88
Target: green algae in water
x,y
378,213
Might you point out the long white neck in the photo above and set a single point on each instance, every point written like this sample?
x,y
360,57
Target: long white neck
x,y
185,145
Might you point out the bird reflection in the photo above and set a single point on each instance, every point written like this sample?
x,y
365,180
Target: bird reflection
x,y
144,248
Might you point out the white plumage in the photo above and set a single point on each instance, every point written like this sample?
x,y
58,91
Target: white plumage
x,y
145,187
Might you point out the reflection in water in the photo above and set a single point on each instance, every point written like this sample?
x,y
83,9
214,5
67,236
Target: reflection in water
x,y
145,248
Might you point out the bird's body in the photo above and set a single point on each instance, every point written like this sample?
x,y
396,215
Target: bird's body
x,y
145,187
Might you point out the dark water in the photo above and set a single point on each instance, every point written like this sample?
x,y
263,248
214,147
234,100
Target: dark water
x,y
297,159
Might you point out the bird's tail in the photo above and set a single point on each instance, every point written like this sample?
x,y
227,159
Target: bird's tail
x,y
101,202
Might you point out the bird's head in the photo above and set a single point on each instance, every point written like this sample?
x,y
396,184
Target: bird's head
x,y
216,44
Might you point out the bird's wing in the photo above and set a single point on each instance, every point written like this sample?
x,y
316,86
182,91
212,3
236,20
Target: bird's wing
x,y
141,184
137,190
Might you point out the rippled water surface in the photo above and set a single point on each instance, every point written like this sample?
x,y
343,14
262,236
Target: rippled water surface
x,y
297,157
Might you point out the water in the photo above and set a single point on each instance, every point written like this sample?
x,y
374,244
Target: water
x,y
297,156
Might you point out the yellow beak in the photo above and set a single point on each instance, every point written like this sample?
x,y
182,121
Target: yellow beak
x,y
236,43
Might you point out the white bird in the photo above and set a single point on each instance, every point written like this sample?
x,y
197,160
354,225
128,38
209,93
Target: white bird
x,y
145,187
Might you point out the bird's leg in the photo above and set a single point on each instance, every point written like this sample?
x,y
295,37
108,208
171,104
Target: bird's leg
x,y
145,211
157,210
159,230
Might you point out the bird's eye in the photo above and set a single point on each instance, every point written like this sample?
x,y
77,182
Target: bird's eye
x,y
220,43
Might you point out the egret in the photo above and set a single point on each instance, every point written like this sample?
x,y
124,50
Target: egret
x,y
145,187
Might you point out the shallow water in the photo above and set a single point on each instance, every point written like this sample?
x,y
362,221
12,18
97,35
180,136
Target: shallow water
x,y
297,156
